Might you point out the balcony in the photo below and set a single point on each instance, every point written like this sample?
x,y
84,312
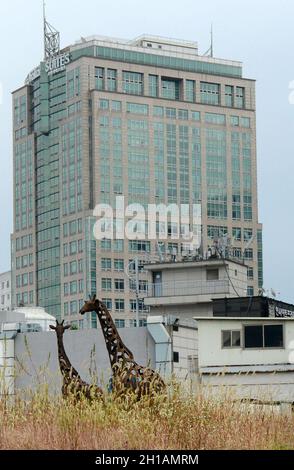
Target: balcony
x,y
174,292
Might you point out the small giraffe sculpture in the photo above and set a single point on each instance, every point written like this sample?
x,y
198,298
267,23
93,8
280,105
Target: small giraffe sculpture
x,y
72,385
127,374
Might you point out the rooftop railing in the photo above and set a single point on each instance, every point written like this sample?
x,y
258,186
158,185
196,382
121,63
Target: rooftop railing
x,y
179,288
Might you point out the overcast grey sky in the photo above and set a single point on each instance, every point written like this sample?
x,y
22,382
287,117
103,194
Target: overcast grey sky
x,y
259,33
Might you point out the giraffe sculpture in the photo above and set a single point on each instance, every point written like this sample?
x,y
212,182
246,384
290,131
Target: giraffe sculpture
x,y
127,374
72,385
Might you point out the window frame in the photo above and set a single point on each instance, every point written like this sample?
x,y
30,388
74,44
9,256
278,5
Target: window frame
x,y
263,342
231,331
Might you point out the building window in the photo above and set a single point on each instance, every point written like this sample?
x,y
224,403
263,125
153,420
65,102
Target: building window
x,y
119,265
73,267
153,85
229,96
107,303
213,118
119,285
212,274
73,307
111,80
250,273
248,233
116,106
106,264
190,91
250,291
263,336
234,121
103,104
158,111
138,245
118,246
119,305
248,253
105,244
170,88
245,122
231,339
237,234
183,114
65,308
141,305
236,252
171,113
176,356
209,93
240,97
99,78
137,108
73,248
120,323
73,288
195,115
106,284
133,83
142,323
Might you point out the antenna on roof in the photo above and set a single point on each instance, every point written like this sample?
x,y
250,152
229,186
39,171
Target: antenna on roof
x,y
211,39
51,38
209,51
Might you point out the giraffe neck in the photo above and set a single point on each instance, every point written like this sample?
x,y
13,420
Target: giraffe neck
x,y
117,350
65,365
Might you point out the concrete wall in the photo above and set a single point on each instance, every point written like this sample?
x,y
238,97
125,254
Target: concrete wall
x,y
185,342
37,361
184,311
6,367
262,386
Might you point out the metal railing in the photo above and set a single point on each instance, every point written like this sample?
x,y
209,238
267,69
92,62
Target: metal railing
x,y
176,288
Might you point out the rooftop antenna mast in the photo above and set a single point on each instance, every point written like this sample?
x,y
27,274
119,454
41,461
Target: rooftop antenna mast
x,y
51,38
209,51
211,41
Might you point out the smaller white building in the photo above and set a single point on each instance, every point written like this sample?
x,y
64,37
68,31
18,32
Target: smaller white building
x,y
26,319
186,289
254,357
5,291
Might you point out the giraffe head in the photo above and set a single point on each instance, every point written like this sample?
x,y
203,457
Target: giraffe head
x,y
90,305
59,328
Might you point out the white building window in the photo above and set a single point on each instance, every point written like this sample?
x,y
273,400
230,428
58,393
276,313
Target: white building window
x,y
231,339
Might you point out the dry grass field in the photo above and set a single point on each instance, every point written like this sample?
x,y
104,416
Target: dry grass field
x,y
186,423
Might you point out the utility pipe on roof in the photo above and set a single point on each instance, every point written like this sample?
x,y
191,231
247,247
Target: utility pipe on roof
x,y
163,345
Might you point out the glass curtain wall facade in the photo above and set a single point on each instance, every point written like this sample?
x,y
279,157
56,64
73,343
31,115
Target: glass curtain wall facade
x,y
129,121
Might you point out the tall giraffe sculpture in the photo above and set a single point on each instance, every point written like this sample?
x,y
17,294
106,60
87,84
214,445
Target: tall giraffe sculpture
x,y
127,374
72,384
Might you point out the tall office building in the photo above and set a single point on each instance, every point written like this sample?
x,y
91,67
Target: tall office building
x,y
149,119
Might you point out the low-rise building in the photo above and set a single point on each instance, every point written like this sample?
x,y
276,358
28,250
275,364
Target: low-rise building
x,y
5,291
186,289
253,356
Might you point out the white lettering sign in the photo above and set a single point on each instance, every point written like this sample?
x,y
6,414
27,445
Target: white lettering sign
x,y
33,75
57,64
282,312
